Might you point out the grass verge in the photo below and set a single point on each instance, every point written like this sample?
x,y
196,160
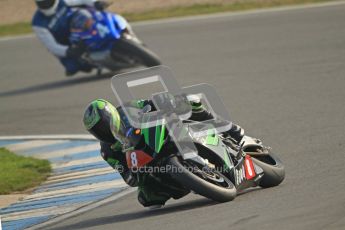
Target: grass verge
x,y
15,29
18,173
197,9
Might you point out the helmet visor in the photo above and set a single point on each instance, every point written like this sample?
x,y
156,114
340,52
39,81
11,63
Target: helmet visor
x,y
102,133
124,131
45,4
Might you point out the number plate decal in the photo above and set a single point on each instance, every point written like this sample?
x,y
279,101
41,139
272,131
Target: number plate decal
x,y
137,158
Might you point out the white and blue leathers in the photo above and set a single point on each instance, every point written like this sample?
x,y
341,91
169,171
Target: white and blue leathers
x,y
53,31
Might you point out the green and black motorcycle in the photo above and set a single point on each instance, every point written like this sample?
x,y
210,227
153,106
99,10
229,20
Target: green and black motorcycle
x,y
219,171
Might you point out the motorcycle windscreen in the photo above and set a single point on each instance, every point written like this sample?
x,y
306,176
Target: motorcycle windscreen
x,y
172,108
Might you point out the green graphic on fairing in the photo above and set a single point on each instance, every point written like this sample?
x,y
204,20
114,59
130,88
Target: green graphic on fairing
x,y
160,134
212,139
157,133
227,163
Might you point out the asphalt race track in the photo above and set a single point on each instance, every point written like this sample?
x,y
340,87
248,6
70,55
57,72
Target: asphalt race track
x,y
280,73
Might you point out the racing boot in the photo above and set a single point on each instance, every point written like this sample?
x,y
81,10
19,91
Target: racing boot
x,y
151,193
80,65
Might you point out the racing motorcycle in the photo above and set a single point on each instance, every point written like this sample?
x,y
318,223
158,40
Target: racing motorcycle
x,y
221,169
109,41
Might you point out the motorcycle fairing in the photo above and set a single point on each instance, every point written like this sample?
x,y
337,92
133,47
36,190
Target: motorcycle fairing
x,y
246,174
155,137
96,29
214,144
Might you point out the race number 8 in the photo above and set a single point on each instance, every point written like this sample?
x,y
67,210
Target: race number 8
x,y
134,159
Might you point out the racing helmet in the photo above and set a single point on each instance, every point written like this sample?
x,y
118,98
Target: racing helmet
x,y
100,115
47,7
82,21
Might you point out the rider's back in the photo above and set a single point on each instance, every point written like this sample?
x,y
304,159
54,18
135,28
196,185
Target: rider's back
x,y
56,23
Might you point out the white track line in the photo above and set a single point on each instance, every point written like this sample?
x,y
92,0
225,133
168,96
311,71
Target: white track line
x,y
68,151
211,16
69,175
83,209
31,144
44,211
78,175
81,176
119,183
74,190
77,162
50,137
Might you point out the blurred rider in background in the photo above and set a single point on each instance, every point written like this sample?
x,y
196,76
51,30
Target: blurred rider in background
x,y
51,25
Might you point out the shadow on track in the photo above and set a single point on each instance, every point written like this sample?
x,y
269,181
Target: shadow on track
x,y
56,85
189,205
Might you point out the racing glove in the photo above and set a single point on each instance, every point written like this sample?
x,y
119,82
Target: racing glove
x,y
129,178
76,50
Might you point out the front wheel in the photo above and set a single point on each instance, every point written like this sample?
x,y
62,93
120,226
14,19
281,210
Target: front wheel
x,y
274,171
211,184
134,53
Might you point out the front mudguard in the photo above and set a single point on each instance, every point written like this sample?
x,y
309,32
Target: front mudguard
x,y
273,168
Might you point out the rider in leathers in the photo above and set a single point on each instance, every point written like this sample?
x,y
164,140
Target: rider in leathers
x,y
108,124
51,25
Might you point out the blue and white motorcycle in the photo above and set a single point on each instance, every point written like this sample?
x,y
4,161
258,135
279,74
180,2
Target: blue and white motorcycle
x,y
109,40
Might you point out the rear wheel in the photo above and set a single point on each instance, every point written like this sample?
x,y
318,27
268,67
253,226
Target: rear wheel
x,y
134,53
208,183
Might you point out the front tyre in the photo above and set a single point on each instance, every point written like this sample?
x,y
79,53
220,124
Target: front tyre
x,y
135,52
274,171
212,185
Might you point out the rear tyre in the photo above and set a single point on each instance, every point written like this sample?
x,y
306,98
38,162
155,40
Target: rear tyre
x,y
135,52
274,171
221,191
